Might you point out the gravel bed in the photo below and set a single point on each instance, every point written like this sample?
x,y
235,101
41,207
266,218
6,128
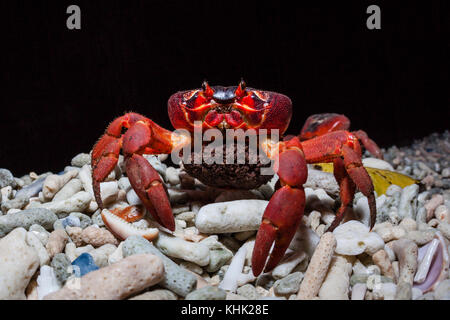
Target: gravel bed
x,y
55,243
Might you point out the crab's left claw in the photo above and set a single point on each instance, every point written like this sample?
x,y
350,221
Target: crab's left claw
x,y
285,209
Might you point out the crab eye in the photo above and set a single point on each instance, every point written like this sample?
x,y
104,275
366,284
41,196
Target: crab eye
x,y
243,85
207,91
240,91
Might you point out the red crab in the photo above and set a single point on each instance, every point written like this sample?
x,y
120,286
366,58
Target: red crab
x,y
325,139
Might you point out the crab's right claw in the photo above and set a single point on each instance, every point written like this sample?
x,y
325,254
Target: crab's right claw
x,y
285,209
280,222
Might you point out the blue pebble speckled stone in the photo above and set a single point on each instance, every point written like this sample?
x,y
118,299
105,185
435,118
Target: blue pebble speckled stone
x,y
71,221
86,264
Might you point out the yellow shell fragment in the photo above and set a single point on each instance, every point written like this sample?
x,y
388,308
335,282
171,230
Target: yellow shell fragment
x,y
381,179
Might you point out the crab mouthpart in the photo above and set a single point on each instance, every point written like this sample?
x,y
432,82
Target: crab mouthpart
x,y
224,118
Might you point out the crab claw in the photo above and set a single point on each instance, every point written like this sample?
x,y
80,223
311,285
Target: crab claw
x,y
146,182
279,224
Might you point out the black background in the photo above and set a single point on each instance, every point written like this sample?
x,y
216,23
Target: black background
x,y
62,87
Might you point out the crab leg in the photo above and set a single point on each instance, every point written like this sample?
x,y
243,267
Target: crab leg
x,y
347,190
369,144
345,145
320,124
142,137
285,209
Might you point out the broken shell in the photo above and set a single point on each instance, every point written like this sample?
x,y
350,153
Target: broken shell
x,y
438,270
425,257
122,229
130,213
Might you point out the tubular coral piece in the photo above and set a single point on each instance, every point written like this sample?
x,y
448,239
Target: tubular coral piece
x,y
76,203
318,267
337,281
406,251
175,247
381,259
234,271
53,183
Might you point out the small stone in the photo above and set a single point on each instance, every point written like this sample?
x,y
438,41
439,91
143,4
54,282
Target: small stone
x,y
85,220
98,236
406,207
442,291
60,264
384,291
115,282
80,160
408,224
219,254
442,213
69,250
56,242
97,218
79,202
420,237
172,175
25,219
18,263
40,233
178,248
71,221
289,284
233,296
226,217
404,291
58,225
431,205
176,278
207,293
248,291
34,242
75,235
85,263
101,255
158,294
374,279
358,278
354,238
426,296
6,179
19,202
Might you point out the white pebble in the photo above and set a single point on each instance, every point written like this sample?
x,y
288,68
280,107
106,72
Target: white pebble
x,y
354,238
178,248
133,198
233,216
109,191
